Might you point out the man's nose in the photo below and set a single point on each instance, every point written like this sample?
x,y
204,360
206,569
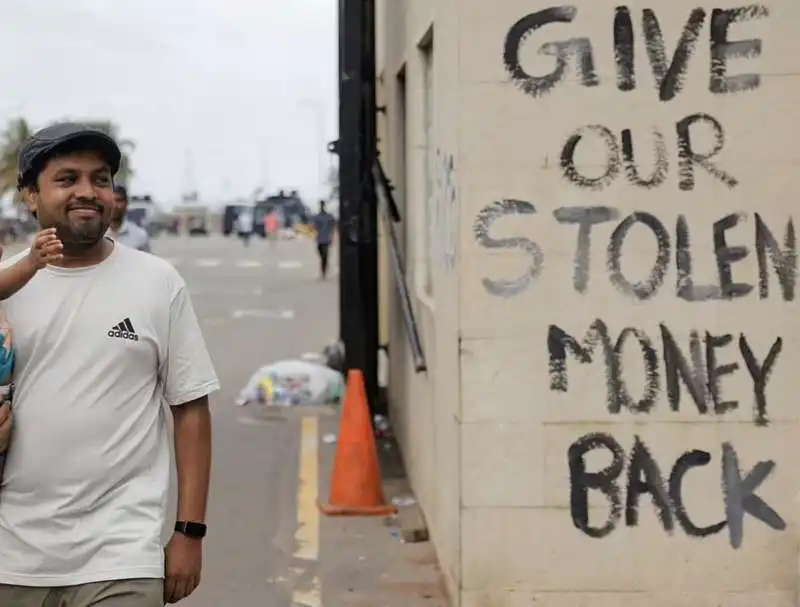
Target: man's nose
x,y
85,189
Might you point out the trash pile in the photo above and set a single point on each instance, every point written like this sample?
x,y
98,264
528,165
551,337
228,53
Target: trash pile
x,y
289,383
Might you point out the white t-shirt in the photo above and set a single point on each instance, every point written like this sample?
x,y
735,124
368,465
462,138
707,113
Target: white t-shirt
x,y
244,223
99,350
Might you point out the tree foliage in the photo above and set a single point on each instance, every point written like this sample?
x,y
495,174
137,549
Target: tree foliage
x,y
19,130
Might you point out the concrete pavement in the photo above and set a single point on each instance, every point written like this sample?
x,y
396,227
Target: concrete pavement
x,y
267,543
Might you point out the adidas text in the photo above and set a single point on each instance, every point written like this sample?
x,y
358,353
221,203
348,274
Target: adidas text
x,y
123,334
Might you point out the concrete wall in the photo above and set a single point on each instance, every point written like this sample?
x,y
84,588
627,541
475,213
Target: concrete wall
x,y
418,148
609,416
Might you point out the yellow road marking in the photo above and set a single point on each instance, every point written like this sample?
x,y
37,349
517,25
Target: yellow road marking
x,y
308,598
307,535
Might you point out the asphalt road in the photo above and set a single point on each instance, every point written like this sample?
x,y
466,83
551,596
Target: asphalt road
x,y
256,305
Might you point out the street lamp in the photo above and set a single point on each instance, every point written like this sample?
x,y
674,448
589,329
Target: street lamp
x,y
319,118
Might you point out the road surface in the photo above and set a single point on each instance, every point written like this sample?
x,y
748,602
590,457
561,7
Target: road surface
x,y
267,543
256,305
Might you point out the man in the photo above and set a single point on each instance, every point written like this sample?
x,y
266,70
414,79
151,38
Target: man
x,y
124,231
244,226
271,226
102,339
325,225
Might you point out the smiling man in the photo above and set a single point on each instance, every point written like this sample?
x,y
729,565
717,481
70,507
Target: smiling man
x,y
103,338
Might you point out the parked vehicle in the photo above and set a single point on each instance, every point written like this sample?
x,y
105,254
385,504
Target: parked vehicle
x,y
161,223
291,211
141,209
229,215
197,225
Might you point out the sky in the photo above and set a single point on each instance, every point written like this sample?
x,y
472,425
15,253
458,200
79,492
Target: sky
x,y
221,96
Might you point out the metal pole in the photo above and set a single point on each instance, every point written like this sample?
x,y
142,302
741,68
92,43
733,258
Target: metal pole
x,y
368,256
350,162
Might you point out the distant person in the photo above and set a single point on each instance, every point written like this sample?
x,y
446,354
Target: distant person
x,y
121,229
244,227
272,226
325,225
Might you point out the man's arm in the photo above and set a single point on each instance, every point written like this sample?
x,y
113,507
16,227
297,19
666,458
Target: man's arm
x,y
193,458
188,377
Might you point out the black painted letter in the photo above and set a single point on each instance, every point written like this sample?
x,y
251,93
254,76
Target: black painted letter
x,y
580,48
784,261
640,290
692,459
688,156
484,220
669,79
677,368
760,375
559,341
659,173
740,495
604,481
644,476
723,49
716,372
613,163
683,260
726,256
585,217
624,49
651,378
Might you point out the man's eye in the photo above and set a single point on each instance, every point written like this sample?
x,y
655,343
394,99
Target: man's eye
x,y
103,181
65,181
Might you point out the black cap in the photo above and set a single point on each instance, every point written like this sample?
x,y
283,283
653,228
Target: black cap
x,y
45,141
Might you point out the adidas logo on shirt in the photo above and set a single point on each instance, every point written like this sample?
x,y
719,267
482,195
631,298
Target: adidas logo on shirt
x,y
124,330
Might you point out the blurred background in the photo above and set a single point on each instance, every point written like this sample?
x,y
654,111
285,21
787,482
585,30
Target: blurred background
x,y
220,106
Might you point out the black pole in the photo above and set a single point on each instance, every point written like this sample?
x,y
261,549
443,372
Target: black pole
x,y
368,255
349,148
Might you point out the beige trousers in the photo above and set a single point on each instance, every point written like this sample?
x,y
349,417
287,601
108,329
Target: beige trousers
x,y
121,593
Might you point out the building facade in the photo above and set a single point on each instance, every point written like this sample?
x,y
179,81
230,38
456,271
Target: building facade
x,y
597,208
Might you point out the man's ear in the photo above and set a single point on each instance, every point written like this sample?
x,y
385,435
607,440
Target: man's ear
x,y
31,197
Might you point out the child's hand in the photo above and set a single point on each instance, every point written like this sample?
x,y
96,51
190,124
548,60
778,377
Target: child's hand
x,y
47,248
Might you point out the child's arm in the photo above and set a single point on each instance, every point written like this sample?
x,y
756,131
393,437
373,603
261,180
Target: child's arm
x,y
46,249
13,278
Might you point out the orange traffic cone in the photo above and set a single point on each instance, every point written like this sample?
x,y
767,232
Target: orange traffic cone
x,y
356,486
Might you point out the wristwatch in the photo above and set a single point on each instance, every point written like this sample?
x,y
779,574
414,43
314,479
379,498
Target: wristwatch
x,y
191,529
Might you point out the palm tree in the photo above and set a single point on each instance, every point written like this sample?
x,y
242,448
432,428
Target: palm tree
x,y
126,146
16,133
19,130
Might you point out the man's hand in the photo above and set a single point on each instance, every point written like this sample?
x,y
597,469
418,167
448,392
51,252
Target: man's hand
x,y
184,561
5,426
47,248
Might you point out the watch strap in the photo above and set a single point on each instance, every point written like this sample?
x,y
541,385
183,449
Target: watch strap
x,y
191,529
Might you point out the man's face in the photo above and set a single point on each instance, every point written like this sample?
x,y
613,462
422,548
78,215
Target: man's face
x,y
75,196
120,207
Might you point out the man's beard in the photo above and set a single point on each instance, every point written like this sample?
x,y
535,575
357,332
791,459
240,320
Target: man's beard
x,y
76,241
79,236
